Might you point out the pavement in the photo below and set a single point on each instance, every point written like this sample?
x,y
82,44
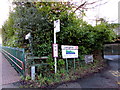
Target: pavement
x,y
8,74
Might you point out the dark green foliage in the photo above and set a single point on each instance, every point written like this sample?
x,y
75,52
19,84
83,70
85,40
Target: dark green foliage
x,y
38,18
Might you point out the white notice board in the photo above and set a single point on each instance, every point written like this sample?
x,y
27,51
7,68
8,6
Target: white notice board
x,y
57,25
69,51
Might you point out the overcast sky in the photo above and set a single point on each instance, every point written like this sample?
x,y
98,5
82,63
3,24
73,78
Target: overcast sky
x,y
4,9
109,11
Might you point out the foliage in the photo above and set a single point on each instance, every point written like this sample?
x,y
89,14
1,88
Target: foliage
x,y
8,32
62,76
38,18
27,78
104,34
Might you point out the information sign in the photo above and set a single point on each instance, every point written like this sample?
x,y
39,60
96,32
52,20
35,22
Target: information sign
x,y
57,25
88,58
55,50
69,51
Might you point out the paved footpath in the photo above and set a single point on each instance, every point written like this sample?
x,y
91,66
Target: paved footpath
x,y
8,75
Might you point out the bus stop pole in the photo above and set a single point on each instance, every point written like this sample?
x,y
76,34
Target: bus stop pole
x,y
56,29
55,57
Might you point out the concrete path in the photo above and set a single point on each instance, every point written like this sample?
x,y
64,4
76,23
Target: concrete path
x,y
8,74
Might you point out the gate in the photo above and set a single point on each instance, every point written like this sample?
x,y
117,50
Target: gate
x,y
112,49
16,57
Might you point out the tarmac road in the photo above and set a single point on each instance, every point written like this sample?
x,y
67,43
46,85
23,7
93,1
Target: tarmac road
x,y
109,78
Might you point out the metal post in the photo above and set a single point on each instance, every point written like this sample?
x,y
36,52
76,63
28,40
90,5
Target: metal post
x,y
56,29
66,64
31,50
33,72
74,63
23,59
112,49
55,57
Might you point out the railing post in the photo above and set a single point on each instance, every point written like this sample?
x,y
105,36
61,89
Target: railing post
x,y
23,59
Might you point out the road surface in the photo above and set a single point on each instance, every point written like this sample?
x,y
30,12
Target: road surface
x,y
109,78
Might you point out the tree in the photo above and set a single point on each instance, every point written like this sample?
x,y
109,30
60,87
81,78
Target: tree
x,y
38,17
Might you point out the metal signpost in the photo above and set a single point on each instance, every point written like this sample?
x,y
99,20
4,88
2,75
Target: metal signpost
x,y
28,36
55,46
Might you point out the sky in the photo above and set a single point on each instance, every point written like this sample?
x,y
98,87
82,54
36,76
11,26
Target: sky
x,y
109,11
4,11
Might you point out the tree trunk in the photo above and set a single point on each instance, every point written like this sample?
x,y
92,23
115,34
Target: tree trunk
x,y
98,55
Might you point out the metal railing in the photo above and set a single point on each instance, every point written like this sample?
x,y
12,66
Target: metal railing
x,y
112,49
16,57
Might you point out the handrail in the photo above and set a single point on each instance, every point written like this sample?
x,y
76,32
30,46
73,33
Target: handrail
x,y
15,58
13,61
